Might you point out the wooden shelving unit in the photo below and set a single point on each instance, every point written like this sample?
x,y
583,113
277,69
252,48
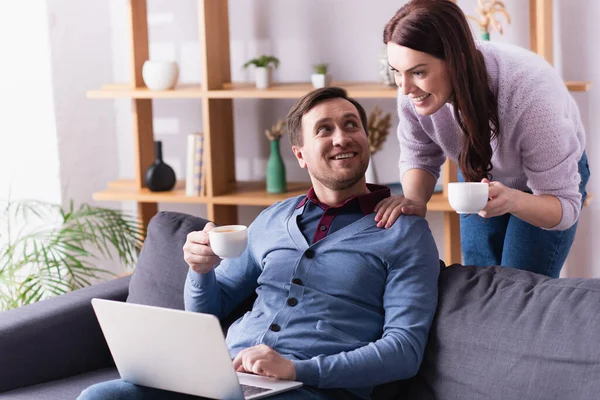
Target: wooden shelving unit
x,y
223,193
279,90
118,91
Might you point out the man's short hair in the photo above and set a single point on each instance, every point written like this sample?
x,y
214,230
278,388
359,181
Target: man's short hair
x,y
310,100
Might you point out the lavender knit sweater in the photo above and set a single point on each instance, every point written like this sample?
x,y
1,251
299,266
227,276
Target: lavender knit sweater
x,y
541,136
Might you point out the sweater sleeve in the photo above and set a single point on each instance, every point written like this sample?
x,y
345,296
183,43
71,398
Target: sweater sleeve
x,y
222,289
550,149
417,150
410,301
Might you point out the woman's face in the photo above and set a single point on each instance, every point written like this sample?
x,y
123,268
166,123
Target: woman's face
x,y
421,76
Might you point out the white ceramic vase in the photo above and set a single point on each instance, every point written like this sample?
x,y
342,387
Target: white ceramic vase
x,y
371,174
160,75
262,75
320,80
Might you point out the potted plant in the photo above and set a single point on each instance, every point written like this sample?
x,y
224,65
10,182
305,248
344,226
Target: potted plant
x,y
263,70
320,78
47,250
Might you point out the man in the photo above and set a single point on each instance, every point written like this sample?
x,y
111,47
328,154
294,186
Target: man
x,y
342,305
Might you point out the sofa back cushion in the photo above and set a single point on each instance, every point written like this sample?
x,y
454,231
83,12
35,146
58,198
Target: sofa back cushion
x,y
501,333
160,273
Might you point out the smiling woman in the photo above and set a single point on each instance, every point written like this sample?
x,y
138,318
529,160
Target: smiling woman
x,y
505,116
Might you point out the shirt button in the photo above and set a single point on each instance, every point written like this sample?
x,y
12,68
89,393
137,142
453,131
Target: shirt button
x,y
275,328
297,281
323,228
292,302
309,253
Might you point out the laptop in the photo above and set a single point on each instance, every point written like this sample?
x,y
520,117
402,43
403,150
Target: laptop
x,y
178,351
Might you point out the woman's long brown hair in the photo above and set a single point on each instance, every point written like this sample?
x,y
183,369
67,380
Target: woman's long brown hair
x,y
439,28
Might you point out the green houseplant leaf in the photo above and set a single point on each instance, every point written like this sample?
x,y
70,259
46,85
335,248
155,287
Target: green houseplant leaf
x,y
263,61
320,68
46,250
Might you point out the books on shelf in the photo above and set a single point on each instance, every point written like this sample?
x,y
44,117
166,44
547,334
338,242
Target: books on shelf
x,y
194,176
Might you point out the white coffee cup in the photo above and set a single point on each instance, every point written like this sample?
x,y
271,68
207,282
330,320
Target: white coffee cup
x,y
160,75
468,197
228,241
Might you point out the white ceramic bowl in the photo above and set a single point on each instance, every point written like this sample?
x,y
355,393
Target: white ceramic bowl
x,y
468,197
160,75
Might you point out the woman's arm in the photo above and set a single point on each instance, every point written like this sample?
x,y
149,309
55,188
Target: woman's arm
x,y
543,210
418,185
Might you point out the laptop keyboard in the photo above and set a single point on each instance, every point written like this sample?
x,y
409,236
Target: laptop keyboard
x,y
252,390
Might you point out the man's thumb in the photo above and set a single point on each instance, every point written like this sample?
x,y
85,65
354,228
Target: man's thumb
x,y
209,226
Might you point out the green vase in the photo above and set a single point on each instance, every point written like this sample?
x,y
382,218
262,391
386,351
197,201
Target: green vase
x,y
276,170
485,36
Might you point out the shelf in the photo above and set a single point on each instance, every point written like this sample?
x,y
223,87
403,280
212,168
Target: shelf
x,y
183,91
247,90
245,193
254,194
125,190
578,86
294,90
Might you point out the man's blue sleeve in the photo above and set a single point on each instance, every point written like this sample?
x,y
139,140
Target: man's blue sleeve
x,y
222,289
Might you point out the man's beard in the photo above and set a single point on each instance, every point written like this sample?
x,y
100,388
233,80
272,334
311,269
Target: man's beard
x,y
334,183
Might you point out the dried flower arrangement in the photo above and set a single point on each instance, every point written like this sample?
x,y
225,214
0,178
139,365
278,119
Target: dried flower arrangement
x,y
486,10
379,128
276,130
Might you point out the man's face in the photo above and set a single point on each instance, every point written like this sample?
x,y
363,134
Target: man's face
x,y
421,77
335,148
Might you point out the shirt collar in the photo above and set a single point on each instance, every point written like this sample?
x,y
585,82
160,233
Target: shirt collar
x,y
367,201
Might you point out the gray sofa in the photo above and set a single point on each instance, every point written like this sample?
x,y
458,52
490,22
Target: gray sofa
x,y
499,333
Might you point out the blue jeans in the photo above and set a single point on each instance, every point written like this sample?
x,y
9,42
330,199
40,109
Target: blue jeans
x,y
509,241
118,389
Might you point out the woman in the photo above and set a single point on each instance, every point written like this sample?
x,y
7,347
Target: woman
x,y
506,117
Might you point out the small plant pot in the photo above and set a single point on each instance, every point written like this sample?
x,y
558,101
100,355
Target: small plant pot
x,y
263,77
320,80
160,75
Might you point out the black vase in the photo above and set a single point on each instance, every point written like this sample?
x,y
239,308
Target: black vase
x,y
159,176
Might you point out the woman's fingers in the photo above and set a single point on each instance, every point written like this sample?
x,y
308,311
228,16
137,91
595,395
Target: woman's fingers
x,y
393,216
385,217
382,206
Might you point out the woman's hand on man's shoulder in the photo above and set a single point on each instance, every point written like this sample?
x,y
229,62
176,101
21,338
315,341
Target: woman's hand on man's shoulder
x,y
388,210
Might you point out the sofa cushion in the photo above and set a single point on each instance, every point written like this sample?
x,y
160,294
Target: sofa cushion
x,y
160,272
501,333
61,389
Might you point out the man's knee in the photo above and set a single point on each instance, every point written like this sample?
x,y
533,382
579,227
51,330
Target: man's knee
x,y
104,391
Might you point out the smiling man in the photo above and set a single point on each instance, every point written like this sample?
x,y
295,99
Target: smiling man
x,y
342,305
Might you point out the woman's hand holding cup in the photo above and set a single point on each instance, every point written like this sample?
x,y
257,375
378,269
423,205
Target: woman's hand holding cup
x,y
197,252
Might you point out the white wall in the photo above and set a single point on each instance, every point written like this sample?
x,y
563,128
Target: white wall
x,y
81,59
29,161
93,138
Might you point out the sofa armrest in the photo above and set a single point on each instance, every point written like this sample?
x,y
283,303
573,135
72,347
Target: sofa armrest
x,y
55,338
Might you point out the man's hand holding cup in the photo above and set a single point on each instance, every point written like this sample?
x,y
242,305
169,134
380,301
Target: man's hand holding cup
x,y
204,249
197,252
